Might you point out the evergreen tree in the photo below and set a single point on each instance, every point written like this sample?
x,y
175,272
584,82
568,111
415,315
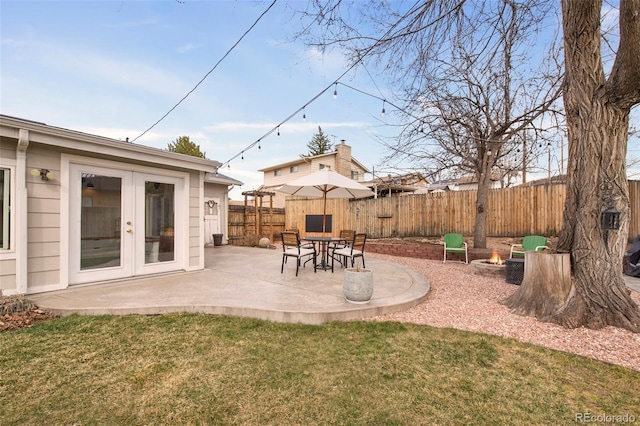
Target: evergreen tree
x,y
319,144
183,145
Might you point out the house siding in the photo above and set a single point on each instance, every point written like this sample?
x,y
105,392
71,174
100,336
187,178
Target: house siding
x,y
43,218
7,275
196,247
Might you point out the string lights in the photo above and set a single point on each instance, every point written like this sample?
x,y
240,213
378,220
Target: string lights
x,y
276,128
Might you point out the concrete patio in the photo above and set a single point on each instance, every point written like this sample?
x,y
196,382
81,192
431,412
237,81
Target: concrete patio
x,y
244,281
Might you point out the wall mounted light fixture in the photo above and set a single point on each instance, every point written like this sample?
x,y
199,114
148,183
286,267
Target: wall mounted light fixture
x,y
43,173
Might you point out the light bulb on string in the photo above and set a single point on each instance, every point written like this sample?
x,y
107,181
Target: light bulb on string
x,y
278,130
242,157
383,111
259,147
304,115
335,92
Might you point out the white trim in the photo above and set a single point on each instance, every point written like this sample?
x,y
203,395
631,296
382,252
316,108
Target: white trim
x,y
10,253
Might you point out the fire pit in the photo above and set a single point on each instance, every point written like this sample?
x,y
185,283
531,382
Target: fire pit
x,y
492,267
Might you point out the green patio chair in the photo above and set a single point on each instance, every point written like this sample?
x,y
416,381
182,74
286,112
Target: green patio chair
x,y
454,243
529,243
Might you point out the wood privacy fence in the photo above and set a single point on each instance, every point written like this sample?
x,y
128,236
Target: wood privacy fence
x,y
248,225
513,212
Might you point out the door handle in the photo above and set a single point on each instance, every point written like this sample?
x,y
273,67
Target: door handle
x,y
129,231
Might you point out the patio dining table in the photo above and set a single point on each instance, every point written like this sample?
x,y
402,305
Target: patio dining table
x,y
323,252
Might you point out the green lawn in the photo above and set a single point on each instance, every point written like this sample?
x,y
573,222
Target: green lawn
x,y
205,369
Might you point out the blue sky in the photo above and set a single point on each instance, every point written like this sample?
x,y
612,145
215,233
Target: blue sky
x,y
114,68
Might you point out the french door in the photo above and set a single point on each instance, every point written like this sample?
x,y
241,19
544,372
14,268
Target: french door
x,y
123,223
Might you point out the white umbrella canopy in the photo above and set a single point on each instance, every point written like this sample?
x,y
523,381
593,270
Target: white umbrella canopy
x,y
324,184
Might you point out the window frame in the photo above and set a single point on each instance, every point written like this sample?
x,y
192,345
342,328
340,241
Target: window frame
x,y
9,190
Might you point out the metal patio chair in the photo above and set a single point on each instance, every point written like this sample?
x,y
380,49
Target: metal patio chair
x,y
291,247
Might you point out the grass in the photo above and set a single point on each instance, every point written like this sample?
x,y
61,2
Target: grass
x,y
205,369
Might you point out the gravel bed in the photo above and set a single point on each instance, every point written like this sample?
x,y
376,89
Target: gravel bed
x,y
463,300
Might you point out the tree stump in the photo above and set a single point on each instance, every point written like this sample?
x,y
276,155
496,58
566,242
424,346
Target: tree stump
x,y
545,287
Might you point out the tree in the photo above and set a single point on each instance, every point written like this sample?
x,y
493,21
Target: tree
x,y
319,144
465,79
184,145
597,107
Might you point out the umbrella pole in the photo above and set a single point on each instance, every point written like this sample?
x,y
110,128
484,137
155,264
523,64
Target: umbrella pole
x,y
323,244
324,214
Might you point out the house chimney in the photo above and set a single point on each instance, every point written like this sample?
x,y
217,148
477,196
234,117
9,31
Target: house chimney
x,y
343,159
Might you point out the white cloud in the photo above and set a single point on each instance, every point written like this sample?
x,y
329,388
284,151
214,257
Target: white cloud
x,y
186,47
84,64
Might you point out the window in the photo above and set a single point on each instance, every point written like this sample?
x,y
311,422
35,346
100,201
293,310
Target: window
x,y
5,206
277,172
354,174
324,166
293,169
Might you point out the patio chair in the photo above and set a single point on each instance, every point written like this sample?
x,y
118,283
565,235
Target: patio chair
x,y
348,235
454,243
304,244
353,250
291,247
529,243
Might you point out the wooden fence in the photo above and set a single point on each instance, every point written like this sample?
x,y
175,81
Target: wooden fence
x,y
248,224
513,212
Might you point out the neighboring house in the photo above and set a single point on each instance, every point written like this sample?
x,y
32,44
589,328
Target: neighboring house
x,y
558,179
339,160
410,183
79,208
464,183
443,186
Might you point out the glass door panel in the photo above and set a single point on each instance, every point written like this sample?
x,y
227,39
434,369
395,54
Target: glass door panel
x,y
159,222
100,217
100,223
159,243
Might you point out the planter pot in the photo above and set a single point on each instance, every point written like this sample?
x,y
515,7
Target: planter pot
x,y
357,285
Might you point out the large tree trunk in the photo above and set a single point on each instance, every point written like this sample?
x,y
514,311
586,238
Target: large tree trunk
x,y
482,202
597,119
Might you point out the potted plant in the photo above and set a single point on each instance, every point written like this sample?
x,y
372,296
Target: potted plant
x,y
358,284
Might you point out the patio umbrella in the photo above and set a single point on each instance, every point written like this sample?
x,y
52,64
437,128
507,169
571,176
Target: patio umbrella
x,y
325,184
